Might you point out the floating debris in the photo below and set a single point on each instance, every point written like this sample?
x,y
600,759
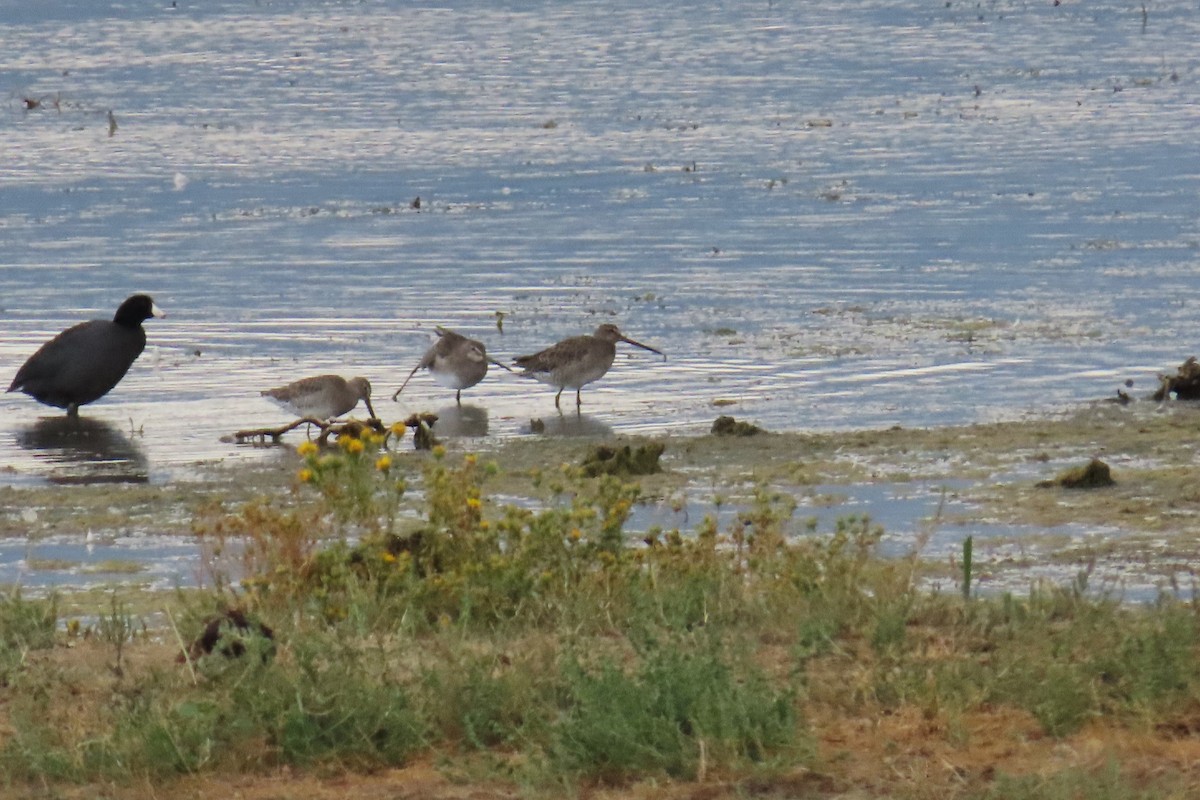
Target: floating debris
x,y
422,426
728,426
1183,385
351,427
1123,397
625,461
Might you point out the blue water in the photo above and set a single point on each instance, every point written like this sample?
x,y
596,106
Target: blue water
x,y
838,216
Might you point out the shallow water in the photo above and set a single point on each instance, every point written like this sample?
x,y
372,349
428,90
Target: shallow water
x,y
853,215
834,215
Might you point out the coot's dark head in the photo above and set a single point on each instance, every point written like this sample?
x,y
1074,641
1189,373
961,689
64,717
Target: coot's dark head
x,y
136,309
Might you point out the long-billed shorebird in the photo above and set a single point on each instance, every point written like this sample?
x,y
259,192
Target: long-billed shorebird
x,y
575,362
322,397
84,362
455,362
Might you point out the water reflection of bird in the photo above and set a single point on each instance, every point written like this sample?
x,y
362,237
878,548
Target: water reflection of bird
x,y
84,362
84,450
323,397
568,425
455,362
462,420
575,362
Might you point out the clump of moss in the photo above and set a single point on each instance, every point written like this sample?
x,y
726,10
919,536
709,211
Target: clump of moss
x,y
728,426
623,461
1093,475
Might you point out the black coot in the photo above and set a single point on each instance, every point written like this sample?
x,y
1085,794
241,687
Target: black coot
x,y
84,362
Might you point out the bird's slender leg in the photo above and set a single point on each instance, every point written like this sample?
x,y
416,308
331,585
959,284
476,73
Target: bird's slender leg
x,y
458,397
72,410
578,399
556,405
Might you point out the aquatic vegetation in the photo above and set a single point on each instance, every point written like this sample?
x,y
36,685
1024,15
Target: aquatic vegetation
x,y
1093,475
626,461
729,426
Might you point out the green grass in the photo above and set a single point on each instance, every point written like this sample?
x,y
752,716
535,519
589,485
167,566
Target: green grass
x,y
552,636
25,625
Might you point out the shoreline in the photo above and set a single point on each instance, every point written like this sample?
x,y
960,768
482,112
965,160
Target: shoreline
x,y
929,488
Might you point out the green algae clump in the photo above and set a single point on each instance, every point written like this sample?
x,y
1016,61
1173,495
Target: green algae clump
x,y
1093,475
728,426
623,461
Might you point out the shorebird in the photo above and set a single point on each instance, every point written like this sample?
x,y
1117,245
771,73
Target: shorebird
x,y
322,396
455,362
575,362
84,362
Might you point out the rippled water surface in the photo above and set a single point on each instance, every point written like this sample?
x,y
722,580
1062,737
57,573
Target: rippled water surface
x,y
835,215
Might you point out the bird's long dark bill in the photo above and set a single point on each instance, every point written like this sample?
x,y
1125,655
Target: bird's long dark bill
x,y
498,364
627,340
370,408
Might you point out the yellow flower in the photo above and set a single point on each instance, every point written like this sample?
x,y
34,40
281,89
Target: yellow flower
x,y
307,449
439,451
387,557
473,503
383,463
305,475
576,534
484,525
469,459
398,429
354,447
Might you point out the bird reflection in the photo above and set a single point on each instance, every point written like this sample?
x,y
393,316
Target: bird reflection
x,y
570,425
81,450
462,421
